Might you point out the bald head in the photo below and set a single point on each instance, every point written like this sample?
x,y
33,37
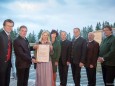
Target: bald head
x,y
91,36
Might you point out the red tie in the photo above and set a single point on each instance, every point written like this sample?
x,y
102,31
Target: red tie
x,y
9,49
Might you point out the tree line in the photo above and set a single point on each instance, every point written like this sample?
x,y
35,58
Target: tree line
x,y
32,37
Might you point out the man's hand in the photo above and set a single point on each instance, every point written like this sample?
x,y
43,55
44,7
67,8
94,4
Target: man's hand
x,y
81,64
91,66
34,61
56,63
100,59
68,63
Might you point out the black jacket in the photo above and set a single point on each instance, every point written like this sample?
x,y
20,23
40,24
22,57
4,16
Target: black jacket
x,y
65,51
22,52
4,49
79,47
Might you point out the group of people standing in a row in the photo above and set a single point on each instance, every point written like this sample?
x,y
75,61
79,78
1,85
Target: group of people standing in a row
x,y
78,52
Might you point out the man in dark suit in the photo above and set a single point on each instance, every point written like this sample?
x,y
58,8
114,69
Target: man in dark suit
x,y
23,57
91,59
78,55
5,52
64,59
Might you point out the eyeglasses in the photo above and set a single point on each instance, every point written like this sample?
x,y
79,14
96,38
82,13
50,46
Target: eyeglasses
x,y
8,26
106,30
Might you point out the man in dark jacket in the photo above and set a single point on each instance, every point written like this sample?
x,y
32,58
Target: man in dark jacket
x,y
107,56
78,55
23,57
91,59
64,59
5,52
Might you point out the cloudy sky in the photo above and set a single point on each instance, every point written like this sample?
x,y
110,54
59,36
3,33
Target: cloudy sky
x,y
57,14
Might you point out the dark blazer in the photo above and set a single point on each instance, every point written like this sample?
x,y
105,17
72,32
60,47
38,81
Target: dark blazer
x,y
4,48
92,53
79,47
5,66
65,51
22,52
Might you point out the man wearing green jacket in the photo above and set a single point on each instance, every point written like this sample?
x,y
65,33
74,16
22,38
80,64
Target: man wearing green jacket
x,y
107,56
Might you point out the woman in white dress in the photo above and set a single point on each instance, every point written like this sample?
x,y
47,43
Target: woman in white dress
x,y
44,72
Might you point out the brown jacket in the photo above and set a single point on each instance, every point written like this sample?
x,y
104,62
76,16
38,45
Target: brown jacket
x,y
92,53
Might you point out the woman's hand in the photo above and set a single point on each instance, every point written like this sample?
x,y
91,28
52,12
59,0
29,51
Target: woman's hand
x,y
56,63
35,46
51,47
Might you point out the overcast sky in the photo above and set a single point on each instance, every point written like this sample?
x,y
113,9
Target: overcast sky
x,y
57,14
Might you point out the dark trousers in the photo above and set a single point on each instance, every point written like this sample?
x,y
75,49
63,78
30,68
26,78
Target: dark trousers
x,y
76,70
5,74
91,76
22,76
63,72
103,73
108,75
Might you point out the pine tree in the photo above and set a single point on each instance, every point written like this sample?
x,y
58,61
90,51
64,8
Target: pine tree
x,y
1,29
90,28
58,37
85,32
31,37
103,25
111,25
69,36
114,25
98,26
14,34
106,23
39,34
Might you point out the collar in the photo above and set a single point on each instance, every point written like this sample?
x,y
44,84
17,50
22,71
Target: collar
x,y
91,41
22,37
77,37
63,40
6,32
109,36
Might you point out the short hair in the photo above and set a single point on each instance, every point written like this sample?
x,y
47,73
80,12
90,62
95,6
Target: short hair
x,y
77,28
92,33
8,20
109,27
64,32
54,31
23,26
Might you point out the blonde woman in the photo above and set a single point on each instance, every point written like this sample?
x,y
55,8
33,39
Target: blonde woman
x,y
44,72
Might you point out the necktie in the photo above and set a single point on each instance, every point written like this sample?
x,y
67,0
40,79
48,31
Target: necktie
x,y
9,49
